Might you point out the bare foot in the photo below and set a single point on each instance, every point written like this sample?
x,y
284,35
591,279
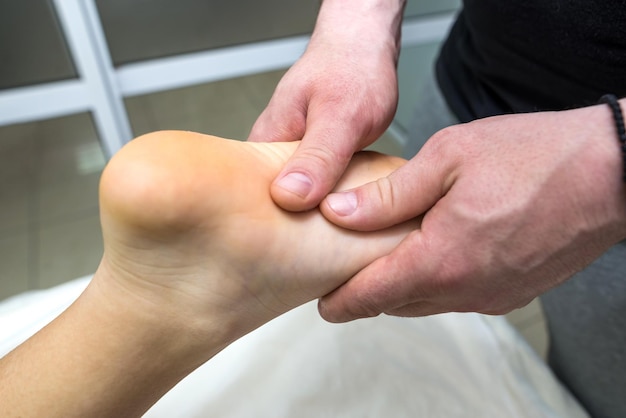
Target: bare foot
x,y
193,213
196,255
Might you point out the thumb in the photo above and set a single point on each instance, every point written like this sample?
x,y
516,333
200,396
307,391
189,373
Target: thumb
x,y
316,166
406,193
280,121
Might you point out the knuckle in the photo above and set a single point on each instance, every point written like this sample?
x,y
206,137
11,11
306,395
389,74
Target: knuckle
x,y
452,140
385,194
444,136
274,125
292,128
323,157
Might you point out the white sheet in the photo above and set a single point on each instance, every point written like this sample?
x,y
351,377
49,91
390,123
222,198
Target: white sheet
x,y
452,365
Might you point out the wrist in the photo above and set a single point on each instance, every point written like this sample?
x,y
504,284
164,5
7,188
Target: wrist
x,y
605,164
370,22
620,129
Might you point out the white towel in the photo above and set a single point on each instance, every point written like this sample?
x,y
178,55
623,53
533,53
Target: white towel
x,y
451,365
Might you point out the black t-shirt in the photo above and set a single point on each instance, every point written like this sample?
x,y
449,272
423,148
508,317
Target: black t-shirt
x,y
510,56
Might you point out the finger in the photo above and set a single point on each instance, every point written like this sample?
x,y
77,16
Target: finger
x,y
281,121
406,193
390,284
318,163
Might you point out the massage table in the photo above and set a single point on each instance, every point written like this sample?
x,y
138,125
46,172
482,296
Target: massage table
x,y
449,365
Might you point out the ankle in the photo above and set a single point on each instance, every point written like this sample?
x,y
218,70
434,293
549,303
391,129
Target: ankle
x,y
160,316
157,231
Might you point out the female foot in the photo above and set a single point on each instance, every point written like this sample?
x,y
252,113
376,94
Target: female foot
x,y
196,255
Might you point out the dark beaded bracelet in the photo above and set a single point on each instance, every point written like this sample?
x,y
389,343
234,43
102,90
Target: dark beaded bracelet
x,y
613,103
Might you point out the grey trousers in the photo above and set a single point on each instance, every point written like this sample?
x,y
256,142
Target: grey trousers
x,y
586,316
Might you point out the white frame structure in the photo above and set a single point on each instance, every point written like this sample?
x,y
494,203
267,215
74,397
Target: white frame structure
x,y
101,88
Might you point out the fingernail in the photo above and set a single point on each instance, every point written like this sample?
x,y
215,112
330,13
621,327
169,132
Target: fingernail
x,y
343,204
297,183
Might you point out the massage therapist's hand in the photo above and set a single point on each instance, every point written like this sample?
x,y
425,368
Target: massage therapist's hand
x,y
512,206
338,98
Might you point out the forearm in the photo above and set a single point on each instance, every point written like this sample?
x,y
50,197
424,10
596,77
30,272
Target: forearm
x,y
373,22
110,354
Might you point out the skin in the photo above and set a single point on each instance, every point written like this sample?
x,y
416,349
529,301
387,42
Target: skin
x,y
513,206
338,98
196,255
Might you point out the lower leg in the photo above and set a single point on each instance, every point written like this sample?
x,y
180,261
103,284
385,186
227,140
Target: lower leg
x,y
196,256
